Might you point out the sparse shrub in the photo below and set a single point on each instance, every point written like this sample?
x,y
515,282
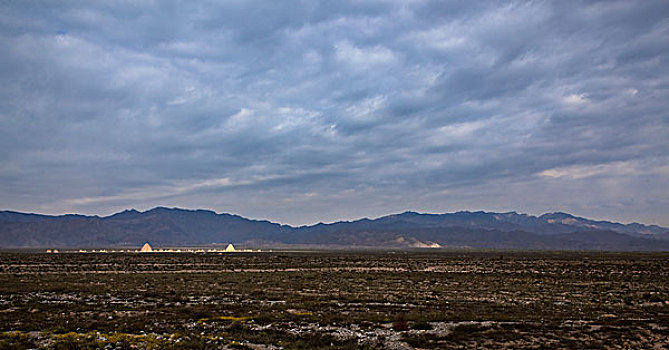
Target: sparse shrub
x,y
422,325
400,324
425,341
237,345
465,331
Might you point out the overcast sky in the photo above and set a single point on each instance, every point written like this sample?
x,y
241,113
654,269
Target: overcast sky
x,y
300,112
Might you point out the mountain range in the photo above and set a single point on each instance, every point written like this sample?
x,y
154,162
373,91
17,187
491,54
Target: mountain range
x,y
181,227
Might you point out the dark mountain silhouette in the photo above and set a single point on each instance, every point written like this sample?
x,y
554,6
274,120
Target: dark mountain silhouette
x,y
174,227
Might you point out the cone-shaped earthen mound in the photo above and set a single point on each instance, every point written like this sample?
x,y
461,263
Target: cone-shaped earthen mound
x,y
146,248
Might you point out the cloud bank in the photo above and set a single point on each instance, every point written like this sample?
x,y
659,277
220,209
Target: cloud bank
x,y
302,112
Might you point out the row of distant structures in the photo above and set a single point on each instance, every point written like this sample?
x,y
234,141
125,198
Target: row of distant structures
x,y
146,248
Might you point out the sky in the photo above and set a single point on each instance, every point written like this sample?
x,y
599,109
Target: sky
x,y
304,111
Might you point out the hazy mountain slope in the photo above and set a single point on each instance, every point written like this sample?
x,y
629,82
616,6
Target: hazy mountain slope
x,y
173,226
478,238
204,226
160,226
89,231
547,224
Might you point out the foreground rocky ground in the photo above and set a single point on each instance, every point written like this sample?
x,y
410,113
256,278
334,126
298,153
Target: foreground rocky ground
x,y
335,300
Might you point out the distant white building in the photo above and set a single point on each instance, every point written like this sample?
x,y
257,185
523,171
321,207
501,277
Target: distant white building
x,y
230,248
146,248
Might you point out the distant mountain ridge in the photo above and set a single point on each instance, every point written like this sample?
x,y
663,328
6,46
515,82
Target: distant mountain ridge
x,y
175,226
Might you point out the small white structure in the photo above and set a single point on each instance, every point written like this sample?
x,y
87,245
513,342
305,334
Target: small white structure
x,y
230,248
146,248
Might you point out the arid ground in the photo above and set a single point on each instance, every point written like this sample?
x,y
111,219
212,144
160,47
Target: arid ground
x,y
319,300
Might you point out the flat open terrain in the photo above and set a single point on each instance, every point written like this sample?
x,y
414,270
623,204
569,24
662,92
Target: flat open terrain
x,y
335,300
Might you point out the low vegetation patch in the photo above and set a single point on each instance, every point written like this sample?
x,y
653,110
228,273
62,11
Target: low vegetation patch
x,y
334,300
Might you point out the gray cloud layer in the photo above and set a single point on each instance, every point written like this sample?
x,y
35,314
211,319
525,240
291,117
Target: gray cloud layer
x,y
302,111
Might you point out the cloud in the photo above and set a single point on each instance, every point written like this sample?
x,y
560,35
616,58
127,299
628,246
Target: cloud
x,y
622,168
363,58
574,99
323,111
